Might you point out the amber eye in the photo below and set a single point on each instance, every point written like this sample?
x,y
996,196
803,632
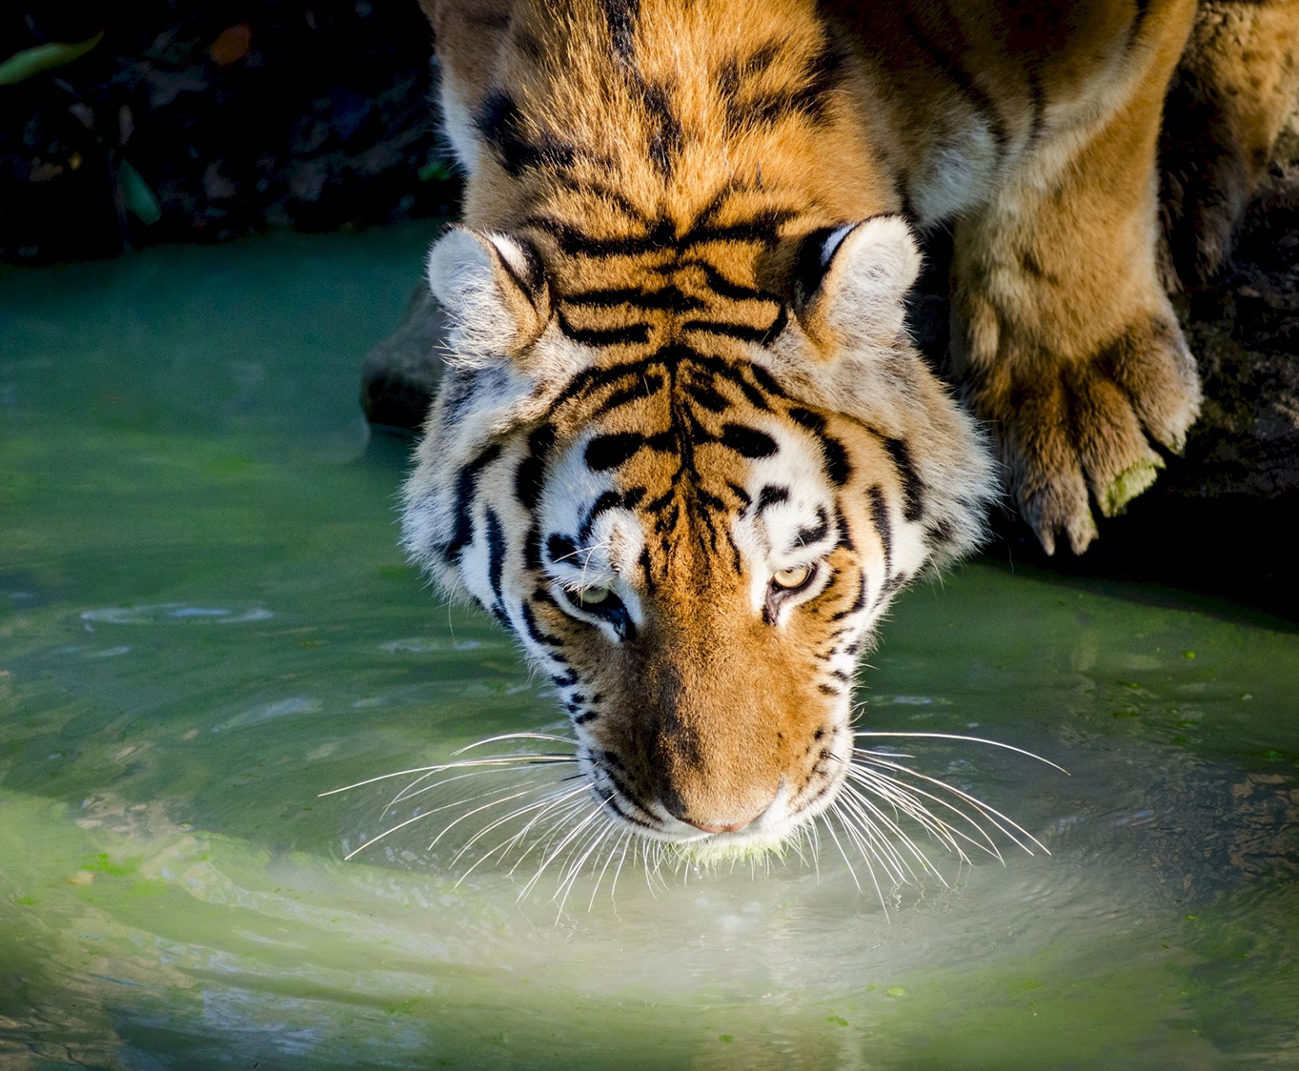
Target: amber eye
x,y
593,596
792,579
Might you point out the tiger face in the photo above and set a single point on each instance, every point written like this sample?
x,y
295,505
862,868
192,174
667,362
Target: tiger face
x,y
691,499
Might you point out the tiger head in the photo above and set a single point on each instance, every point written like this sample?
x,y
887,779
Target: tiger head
x,y
690,487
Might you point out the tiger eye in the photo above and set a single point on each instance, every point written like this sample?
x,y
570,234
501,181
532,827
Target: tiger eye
x,y
792,578
593,596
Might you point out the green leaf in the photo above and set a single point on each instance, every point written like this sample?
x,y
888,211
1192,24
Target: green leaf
x,y
31,61
140,199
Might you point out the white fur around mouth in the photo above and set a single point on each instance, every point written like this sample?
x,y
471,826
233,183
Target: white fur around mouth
x,y
520,809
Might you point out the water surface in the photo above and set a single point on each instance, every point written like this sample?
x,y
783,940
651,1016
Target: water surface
x,y
204,623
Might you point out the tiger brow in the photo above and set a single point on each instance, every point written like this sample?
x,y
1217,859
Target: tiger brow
x,y
812,535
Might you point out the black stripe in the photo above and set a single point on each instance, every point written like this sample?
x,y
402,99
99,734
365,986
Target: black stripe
x,y
825,74
940,532
858,604
722,286
806,537
495,556
706,396
762,228
960,78
560,547
1037,107
814,422
629,335
837,465
502,126
621,17
737,563
764,379
532,549
742,332
533,270
530,475
642,388
841,525
575,242
880,517
607,501
534,631
466,489
645,569
667,298
892,584
607,451
913,487
666,133
747,442
769,496
592,188
809,100
732,74
1134,29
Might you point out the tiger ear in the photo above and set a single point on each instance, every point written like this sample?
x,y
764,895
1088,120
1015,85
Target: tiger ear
x,y
494,288
849,282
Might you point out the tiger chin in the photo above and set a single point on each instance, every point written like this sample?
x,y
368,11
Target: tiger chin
x,y
683,447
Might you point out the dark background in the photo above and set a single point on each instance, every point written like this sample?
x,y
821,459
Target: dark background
x,y
235,117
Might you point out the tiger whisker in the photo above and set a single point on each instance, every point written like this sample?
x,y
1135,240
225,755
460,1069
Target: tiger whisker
x,y
542,806
451,825
910,799
541,843
906,797
961,737
613,850
578,856
551,854
506,846
410,792
993,815
835,808
577,859
865,813
550,737
500,791
868,837
429,770
394,829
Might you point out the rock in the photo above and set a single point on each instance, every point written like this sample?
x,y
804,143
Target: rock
x,y
400,375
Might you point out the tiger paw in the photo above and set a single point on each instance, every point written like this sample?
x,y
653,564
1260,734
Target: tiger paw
x,y
1082,437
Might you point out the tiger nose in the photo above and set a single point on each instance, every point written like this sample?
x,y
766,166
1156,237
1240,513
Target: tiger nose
x,y
733,828
721,827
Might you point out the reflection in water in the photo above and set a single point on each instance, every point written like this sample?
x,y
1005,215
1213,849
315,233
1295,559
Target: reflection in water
x,y
235,633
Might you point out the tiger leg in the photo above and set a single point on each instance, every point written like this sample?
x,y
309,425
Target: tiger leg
x,y
1228,102
1061,328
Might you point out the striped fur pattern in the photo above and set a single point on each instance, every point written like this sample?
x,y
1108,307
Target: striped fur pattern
x,y
684,448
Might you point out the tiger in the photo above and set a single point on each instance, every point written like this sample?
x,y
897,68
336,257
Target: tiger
x,y
685,448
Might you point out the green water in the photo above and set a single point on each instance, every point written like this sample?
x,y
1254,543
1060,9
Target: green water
x,y
204,623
